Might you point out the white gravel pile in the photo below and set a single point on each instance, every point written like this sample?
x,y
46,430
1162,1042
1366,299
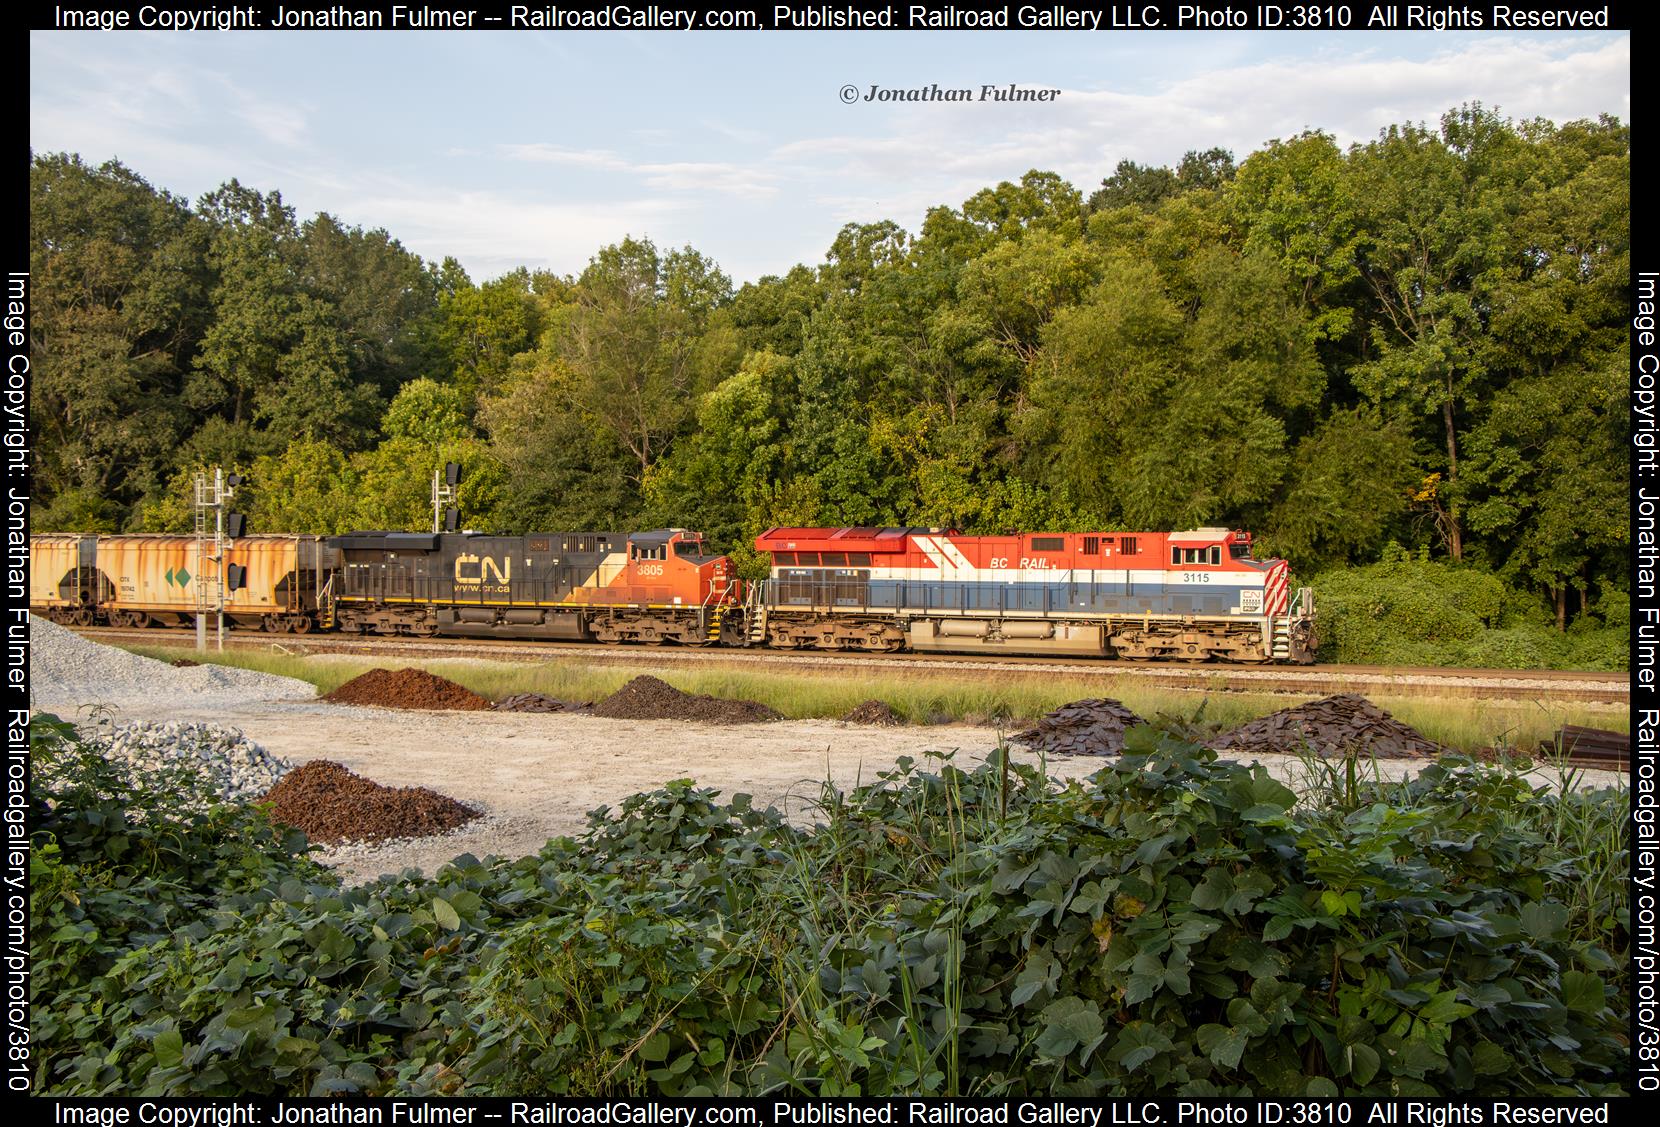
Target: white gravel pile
x,y
227,764
67,669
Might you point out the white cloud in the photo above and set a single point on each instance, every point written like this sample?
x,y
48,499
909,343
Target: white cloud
x,y
493,232
669,176
544,153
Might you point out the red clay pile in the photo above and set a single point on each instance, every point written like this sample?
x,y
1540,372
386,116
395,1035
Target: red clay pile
x,y
647,698
535,702
331,805
1330,727
406,688
873,712
1084,727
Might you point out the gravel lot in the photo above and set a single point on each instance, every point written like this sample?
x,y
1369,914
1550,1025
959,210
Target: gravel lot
x,y
536,775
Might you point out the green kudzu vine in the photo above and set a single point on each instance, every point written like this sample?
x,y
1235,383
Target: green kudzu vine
x,y
1174,924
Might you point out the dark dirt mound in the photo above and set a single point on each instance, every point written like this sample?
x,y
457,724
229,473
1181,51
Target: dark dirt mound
x,y
535,702
406,688
331,804
183,663
1331,726
873,712
647,698
1084,727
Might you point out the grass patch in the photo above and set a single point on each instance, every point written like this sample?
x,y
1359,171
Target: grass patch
x,y
999,699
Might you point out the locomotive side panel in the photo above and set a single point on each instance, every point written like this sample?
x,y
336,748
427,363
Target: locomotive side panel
x,y
601,586
1144,595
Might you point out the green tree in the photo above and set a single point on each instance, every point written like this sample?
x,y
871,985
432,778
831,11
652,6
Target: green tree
x,y
274,352
1144,186
1293,200
567,473
1439,210
1346,492
482,328
310,487
384,298
633,342
741,451
118,274
427,412
1166,417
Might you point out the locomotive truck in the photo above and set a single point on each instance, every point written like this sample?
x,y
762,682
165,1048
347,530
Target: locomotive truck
x,y
1193,595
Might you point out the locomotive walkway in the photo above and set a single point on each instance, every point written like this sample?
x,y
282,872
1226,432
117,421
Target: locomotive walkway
x,y
1399,681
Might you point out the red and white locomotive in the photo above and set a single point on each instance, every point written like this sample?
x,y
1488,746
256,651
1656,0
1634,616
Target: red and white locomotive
x,y
1185,595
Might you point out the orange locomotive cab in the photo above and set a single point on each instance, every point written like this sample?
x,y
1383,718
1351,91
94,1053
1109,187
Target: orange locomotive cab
x,y
673,589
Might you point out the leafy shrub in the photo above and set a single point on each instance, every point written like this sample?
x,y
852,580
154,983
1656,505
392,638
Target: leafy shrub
x,y
1172,924
1411,610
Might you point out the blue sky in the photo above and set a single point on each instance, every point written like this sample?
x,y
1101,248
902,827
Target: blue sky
x,y
536,149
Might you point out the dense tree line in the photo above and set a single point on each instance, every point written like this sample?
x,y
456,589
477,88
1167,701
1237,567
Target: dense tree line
x,y
1416,341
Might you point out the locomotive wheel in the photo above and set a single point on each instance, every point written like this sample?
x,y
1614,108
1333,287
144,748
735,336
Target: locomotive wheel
x,y
302,624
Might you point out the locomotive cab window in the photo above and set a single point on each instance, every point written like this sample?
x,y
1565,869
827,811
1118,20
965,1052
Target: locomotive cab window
x,y
1211,555
1239,551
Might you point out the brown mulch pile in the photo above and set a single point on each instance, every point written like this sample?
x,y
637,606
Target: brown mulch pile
x,y
406,688
331,804
1084,727
1329,727
535,702
873,712
647,698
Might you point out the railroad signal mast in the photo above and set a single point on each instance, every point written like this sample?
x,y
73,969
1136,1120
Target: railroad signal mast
x,y
445,486
212,535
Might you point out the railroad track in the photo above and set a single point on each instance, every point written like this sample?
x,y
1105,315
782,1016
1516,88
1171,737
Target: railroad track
x,y
1605,688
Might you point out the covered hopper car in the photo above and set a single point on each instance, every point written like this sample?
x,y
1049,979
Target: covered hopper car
x,y
271,582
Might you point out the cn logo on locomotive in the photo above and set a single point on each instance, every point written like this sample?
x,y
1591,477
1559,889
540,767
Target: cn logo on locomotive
x,y
481,566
